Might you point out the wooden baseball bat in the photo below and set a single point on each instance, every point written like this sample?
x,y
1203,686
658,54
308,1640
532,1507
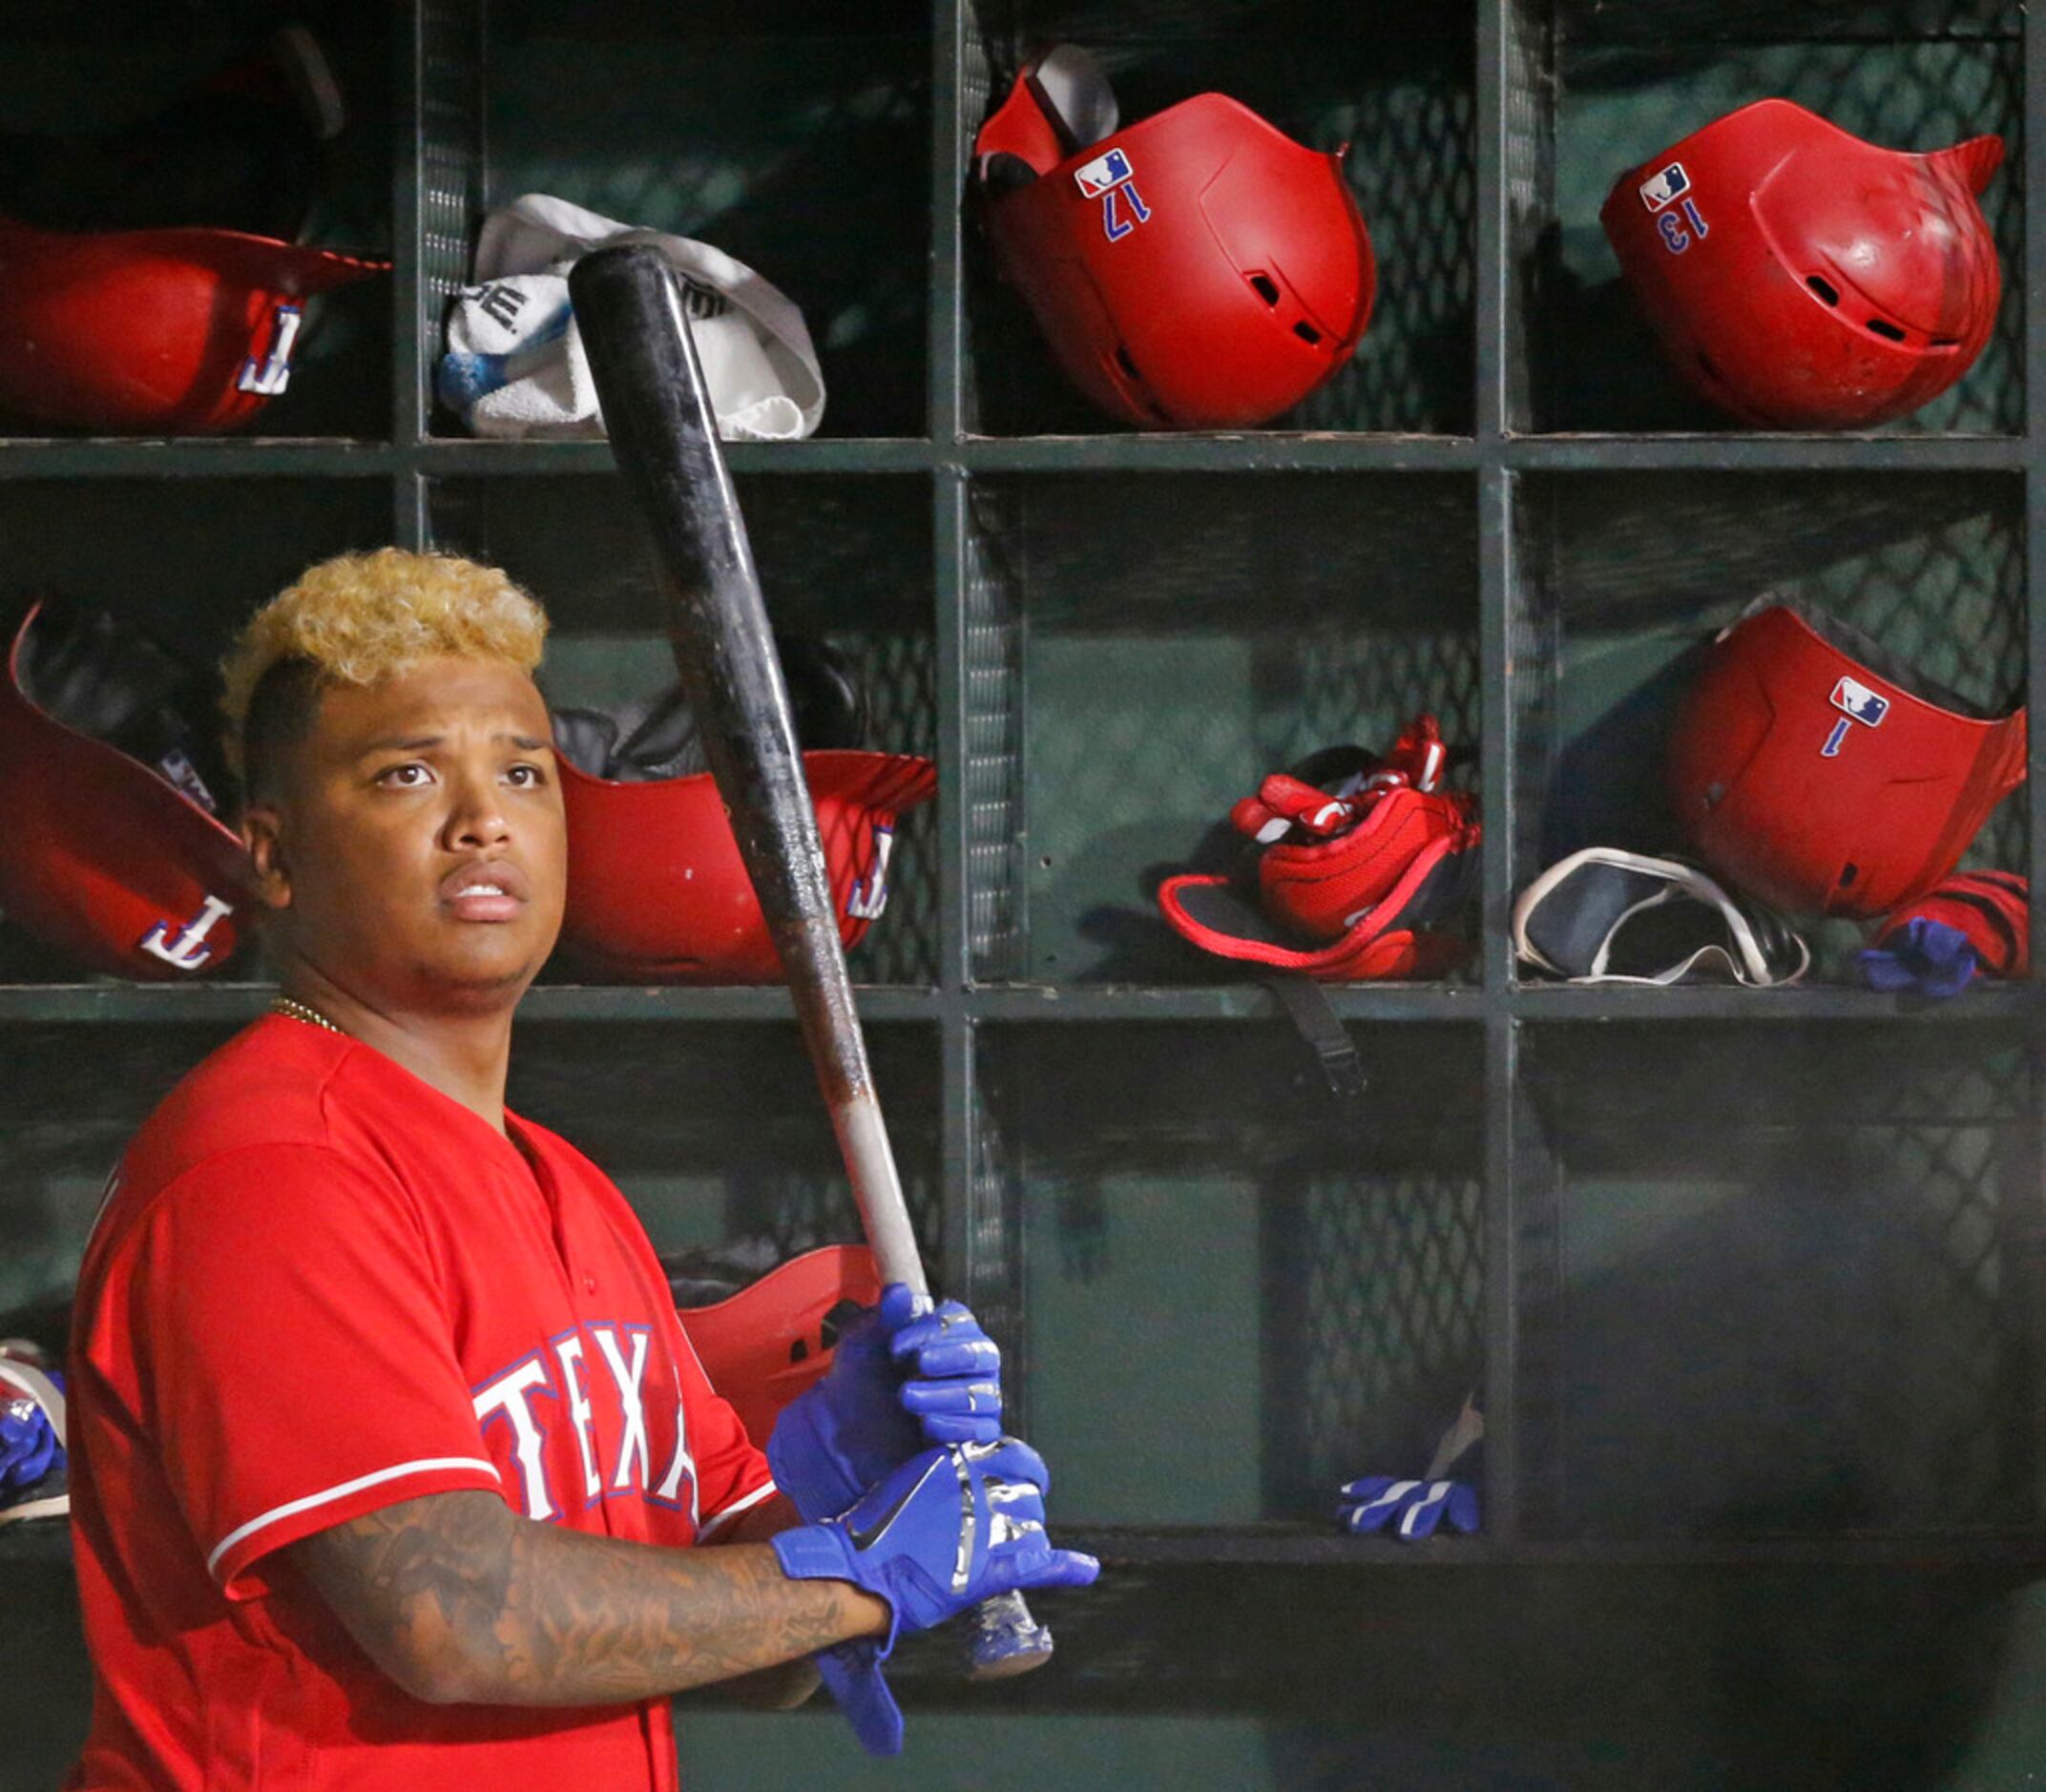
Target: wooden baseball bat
x,y
629,305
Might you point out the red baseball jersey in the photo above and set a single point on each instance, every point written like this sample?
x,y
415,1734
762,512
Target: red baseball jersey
x,y
318,1287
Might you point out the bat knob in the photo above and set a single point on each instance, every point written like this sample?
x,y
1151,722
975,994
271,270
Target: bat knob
x,y
1004,1639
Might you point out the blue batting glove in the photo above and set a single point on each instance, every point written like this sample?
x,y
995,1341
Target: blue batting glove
x,y
852,1675
1414,1508
946,1529
29,1447
1925,956
905,1376
953,1375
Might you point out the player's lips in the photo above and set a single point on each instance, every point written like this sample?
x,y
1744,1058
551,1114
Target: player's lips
x,y
494,889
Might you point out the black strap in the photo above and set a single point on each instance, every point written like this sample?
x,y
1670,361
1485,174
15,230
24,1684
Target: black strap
x,y
1308,1007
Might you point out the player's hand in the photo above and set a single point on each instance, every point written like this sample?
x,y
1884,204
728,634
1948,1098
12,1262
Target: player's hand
x,y
951,1374
1411,1508
905,1376
946,1529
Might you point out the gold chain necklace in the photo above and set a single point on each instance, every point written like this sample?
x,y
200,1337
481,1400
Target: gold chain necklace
x,y
294,1009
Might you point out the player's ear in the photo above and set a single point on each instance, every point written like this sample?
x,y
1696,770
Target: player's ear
x,y
263,834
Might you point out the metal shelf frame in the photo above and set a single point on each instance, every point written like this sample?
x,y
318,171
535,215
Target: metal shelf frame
x,y
438,48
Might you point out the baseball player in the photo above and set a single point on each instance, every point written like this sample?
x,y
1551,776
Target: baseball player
x,y
391,1464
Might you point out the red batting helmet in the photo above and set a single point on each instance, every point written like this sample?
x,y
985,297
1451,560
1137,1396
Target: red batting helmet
x,y
764,1345
1803,279
1199,270
1813,770
148,331
657,892
102,855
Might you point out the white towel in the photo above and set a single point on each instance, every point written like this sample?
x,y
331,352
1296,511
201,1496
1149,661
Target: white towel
x,y
515,363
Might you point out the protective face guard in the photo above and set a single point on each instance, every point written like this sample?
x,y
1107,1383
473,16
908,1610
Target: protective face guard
x,y
1802,278
1196,270
154,331
1604,915
104,857
1811,769
1361,858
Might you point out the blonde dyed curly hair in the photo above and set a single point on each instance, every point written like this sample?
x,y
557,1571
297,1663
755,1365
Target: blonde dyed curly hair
x,y
359,618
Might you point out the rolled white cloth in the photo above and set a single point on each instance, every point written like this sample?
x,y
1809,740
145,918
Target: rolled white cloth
x,y
514,364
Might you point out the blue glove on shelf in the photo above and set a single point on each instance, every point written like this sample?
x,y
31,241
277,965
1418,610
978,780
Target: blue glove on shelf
x,y
1924,955
1412,1509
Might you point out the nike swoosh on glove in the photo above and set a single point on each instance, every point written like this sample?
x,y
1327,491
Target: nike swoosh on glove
x,y
946,1529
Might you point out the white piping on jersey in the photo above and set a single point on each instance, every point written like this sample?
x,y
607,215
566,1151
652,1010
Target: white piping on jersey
x,y
342,1491
733,1511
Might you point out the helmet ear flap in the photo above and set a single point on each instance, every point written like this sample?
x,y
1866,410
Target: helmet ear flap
x,y
1976,160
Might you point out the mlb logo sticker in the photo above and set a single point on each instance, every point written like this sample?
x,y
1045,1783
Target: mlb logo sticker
x,y
1659,190
1860,702
1110,169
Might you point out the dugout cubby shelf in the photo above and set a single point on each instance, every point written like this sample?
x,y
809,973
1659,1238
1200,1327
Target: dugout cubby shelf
x,y
674,1112
802,151
1143,650
847,561
109,67
1503,510
1592,91
1191,1207
1759,1299
1396,86
1622,579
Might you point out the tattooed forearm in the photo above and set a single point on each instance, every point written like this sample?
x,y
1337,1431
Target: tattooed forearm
x,y
462,1600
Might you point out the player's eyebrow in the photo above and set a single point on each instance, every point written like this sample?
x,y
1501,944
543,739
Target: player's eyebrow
x,y
426,743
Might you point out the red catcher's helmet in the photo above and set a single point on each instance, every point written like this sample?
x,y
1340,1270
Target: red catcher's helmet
x,y
180,332
1199,270
1361,863
1814,771
657,892
101,856
1802,278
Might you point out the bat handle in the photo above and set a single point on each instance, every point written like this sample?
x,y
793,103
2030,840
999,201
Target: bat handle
x,y
1004,1639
